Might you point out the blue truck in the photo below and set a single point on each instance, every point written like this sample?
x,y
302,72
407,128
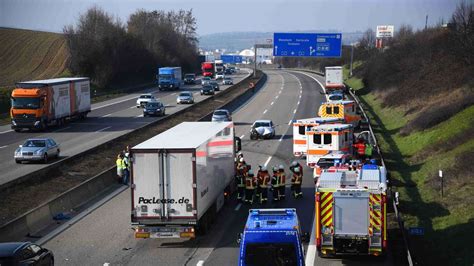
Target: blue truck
x,y
169,78
272,237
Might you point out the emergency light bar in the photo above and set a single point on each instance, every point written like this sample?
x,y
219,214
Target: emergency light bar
x,y
289,211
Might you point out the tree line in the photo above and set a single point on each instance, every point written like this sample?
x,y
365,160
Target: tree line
x,y
110,52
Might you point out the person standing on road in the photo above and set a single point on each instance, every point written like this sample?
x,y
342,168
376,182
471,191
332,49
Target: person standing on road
x,y
360,146
275,184
240,177
126,167
263,180
281,182
295,164
250,184
119,163
296,180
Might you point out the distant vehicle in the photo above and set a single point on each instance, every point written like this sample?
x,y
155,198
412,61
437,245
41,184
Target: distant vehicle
x,y
272,237
232,69
24,253
263,129
227,81
205,80
38,104
207,90
181,177
346,110
334,79
218,66
154,108
214,85
190,79
169,78
207,69
144,99
220,75
228,71
185,97
221,115
38,149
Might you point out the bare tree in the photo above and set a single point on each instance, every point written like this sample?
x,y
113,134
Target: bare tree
x,y
367,41
462,22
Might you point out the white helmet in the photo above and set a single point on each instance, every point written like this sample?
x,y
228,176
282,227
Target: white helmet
x,y
297,170
264,168
294,163
275,168
281,167
241,160
250,172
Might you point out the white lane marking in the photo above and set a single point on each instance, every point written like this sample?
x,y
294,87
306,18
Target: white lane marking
x,y
133,107
320,84
3,132
174,93
238,207
291,121
279,92
139,115
200,263
276,97
298,103
294,112
105,128
106,115
265,111
267,161
281,138
311,253
272,103
61,129
242,136
3,146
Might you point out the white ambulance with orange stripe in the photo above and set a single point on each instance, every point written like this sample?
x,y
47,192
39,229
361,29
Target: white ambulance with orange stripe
x,y
351,212
346,110
326,139
300,127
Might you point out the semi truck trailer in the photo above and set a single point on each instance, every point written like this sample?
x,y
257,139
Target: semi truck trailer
x,y
178,182
38,104
334,78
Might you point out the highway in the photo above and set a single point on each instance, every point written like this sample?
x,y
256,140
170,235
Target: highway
x,y
106,121
105,237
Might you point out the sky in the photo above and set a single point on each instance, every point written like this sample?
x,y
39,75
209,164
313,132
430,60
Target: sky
x,y
245,15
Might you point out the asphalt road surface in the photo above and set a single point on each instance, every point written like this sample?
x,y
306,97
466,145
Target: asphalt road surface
x,y
105,236
106,121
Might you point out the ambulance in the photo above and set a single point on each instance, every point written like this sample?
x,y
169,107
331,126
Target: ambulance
x,y
300,127
351,212
346,110
327,138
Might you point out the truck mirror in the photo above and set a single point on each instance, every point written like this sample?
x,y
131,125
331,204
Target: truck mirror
x,y
239,238
238,144
305,237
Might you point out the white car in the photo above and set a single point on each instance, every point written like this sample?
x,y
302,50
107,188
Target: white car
x,y
227,81
220,75
205,80
144,99
185,97
263,129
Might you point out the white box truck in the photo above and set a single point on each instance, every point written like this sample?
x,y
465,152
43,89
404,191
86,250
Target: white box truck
x,y
334,78
178,184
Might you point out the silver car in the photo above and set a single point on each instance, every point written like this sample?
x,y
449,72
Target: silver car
x,y
37,150
185,97
221,115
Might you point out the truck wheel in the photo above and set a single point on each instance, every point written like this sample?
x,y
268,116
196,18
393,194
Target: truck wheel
x,y
45,158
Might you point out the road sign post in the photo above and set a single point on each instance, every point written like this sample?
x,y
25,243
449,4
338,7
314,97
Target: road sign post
x,y
307,44
256,46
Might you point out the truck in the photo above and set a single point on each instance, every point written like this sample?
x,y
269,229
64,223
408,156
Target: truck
x,y
169,78
334,78
346,109
272,237
351,211
207,69
177,185
38,104
219,66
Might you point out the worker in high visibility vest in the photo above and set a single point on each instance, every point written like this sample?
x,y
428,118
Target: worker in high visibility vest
x,y
120,167
296,181
263,178
275,184
240,173
281,182
250,185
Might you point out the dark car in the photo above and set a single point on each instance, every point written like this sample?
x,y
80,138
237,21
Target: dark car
x,y
214,85
154,108
190,79
24,253
228,71
207,90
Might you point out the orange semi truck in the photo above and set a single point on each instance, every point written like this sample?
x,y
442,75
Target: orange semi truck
x,y
40,103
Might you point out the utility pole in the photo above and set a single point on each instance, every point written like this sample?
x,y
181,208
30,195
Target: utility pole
x,y
352,58
426,22
442,183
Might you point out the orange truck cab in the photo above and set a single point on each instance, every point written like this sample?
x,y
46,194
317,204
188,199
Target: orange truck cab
x,y
346,110
327,138
38,104
300,127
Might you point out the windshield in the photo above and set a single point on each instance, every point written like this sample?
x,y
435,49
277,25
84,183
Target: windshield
x,y
145,97
165,76
213,82
335,97
185,94
189,76
153,105
274,254
262,124
326,162
26,103
34,143
227,78
220,113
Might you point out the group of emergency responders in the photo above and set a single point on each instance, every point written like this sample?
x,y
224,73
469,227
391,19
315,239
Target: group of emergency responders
x,y
250,186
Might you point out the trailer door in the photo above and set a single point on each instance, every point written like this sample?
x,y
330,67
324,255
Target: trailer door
x,y
147,192
179,191
351,216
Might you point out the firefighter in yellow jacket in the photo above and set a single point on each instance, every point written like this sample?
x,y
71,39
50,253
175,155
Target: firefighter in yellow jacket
x,y
296,181
250,185
263,181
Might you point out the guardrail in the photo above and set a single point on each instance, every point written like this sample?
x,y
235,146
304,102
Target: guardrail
x,y
42,216
395,207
